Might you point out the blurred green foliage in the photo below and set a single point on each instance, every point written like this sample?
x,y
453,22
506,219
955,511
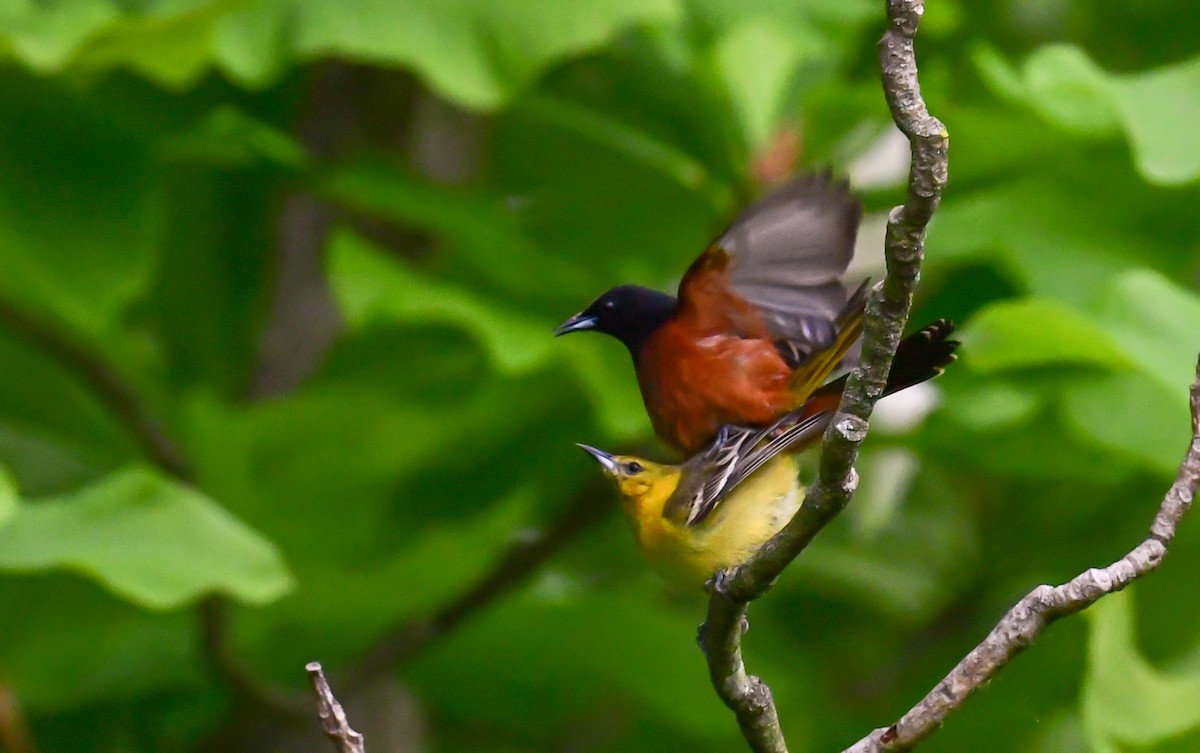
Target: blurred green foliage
x,y
324,244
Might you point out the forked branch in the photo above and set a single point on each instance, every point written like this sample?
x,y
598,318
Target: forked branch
x,y
1042,606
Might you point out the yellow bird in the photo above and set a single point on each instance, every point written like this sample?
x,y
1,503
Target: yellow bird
x,y
684,533
716,509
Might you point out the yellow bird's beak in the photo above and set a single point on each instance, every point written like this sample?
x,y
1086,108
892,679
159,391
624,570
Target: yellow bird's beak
x,y
607,461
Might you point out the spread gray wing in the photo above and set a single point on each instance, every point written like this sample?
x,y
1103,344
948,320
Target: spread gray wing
x,y
789,252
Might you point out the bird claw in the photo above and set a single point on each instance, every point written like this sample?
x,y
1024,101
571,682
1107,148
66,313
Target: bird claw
x,y
719,583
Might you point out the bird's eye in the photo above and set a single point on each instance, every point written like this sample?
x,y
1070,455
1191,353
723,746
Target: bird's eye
x,y
633,467
610,304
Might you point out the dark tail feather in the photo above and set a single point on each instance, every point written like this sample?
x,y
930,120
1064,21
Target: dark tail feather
x,y
920,357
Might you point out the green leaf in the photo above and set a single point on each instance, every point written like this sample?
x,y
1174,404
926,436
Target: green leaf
x,y
1160,109
1158,324
635,144
1155,109
78,217
485,240
1060,82
45,36
1127,703
1034,332
57,625
996,405
370,287
231,138
1038,234
148,539
168,41
1144,415
1146,329
1133,416
755,60
482,52
8,496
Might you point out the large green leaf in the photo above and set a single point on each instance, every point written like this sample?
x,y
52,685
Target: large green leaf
x,y
371,287
480,54
169,41
1155,108
1053,238
1060,82
1127,703
78,212
1035,332
148,539
1132,415
1143,339
755,60
1157,323
484,240
57,625
1144,414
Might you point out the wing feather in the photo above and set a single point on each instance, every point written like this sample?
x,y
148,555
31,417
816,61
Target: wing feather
x,y
737,453
785,256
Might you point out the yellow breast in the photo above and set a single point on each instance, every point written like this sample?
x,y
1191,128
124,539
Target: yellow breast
x,y
687,556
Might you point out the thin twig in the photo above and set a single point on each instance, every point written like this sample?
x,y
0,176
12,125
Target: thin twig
x,y
1043,605
112,390
333,716
523,557
15,736
259,695
887,314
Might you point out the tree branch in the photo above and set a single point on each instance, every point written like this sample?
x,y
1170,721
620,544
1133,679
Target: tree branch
x,y
333,716
104,382
144,428
397,647
523,557
15,736
1022,624
887,314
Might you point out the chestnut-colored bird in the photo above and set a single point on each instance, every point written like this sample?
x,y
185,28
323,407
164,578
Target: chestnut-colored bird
x,y
715,510
761,320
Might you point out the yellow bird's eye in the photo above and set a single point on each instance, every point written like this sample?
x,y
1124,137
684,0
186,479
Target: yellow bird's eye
x,y
632,468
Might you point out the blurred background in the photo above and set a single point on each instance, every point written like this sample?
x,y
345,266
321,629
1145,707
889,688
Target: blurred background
x,y
277,279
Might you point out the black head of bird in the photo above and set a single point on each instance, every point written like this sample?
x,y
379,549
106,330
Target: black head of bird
x,y
630,313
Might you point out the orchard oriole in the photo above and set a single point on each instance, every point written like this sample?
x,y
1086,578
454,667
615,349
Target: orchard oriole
x,y
717,508
761,320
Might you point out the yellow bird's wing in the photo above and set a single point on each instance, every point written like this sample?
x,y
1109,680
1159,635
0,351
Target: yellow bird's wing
x,y
732,458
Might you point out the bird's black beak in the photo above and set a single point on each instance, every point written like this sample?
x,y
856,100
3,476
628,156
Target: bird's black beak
x,y
577,323
603,458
